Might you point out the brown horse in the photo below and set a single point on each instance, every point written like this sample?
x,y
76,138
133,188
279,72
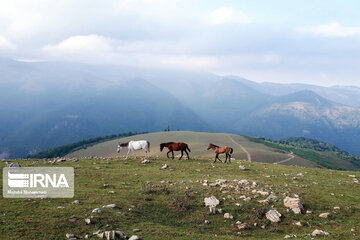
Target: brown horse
x,y
219,150
175,146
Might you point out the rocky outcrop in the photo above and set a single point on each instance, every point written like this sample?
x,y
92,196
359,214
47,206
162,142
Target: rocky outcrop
x,y
274,216
294,204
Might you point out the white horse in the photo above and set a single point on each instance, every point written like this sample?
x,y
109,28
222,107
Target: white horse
x,y
135,145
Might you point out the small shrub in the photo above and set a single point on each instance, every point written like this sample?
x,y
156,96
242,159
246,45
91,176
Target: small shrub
x,y
155,189
181,203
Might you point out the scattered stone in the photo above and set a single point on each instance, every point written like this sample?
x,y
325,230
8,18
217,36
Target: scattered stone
x,y
134,237
110,235
96,210
118,214
110,206
206,222
308,212
247,199
72,220
271,198
241,225
145,161
298,224
14,165
70,236
352,176
136,230
273,216
60,160
290,236
265,201
111,192
263,193
213,185
211,202
60,207
325,215
242,167
294,204
336,208
244,182
87,221
165,166
219,210
228,216
318,232
220,181
76,202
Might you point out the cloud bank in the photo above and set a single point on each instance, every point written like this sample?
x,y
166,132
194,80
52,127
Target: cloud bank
x,y
237,37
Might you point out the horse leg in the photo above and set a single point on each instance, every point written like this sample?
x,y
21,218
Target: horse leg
x,y
229,158
226,157
187,155
127,155
181,154
167,154
172,151
218,158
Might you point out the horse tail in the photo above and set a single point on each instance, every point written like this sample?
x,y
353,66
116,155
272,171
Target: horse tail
x,y
148,145
231,150
187,147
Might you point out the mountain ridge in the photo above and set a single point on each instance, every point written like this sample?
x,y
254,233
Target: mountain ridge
x,y
79,101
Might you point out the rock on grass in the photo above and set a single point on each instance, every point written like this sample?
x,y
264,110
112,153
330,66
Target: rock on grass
x,y
318,232
273,216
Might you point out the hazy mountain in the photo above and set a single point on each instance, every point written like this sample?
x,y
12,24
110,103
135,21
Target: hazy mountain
x,y
47,113
237,105
225,102
307,114
46,104
347,95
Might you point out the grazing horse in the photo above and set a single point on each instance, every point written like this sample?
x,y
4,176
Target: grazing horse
x,y
135,145
219,150
175,146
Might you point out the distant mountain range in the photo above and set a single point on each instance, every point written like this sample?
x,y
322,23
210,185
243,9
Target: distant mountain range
x,y
46,104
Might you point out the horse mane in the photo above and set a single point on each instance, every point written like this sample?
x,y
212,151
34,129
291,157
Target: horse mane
x,y
124,144
167,143
213,145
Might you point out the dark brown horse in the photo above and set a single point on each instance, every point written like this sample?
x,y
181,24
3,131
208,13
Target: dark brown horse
x,y
219,150
175,146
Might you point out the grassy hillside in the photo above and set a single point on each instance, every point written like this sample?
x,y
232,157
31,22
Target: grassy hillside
x,y
168,203
258,149
324,154
66,149
198,142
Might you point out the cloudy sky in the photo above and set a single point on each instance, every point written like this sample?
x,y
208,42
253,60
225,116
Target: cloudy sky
x,y
309,41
